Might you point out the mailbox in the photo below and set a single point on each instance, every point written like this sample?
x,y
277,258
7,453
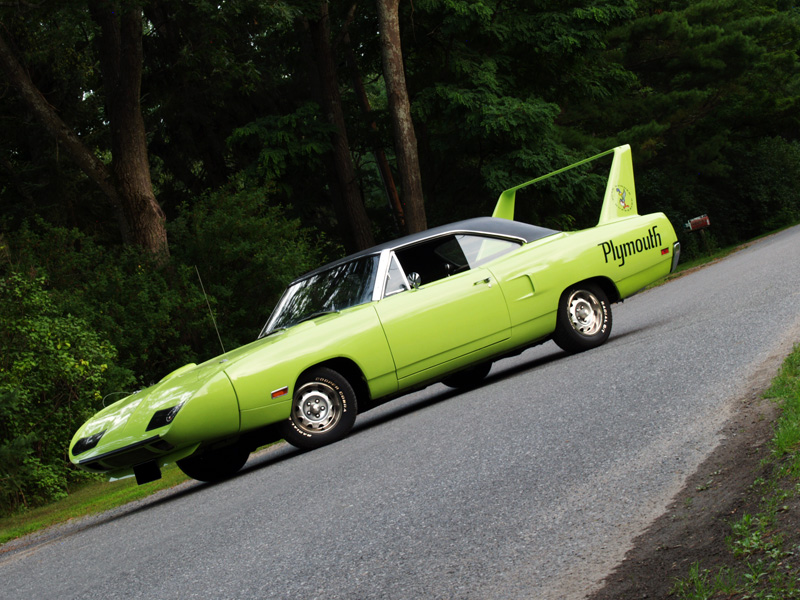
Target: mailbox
x,y
697,223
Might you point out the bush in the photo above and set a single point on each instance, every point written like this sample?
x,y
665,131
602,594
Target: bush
x,y
767,173
52,372
246,251
153,314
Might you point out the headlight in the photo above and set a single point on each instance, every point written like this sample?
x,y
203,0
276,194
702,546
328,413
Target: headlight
x,y
87,443
163,417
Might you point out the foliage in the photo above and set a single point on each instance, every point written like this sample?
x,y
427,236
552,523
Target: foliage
x,y
246,252
502,91
52,373
82,300
766,184
151,313
492,79
297,139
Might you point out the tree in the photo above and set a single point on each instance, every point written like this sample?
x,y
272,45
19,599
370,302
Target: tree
x,y
120,51
493,84
714,82
126,184
405,139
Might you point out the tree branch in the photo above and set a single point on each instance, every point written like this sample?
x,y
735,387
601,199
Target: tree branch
x,y
44,112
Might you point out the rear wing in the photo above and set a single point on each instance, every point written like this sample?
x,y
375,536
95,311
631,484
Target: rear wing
x,y
619,200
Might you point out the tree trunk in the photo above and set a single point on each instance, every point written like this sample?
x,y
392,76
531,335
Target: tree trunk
x,y
405,140
120,48
352,204
380,156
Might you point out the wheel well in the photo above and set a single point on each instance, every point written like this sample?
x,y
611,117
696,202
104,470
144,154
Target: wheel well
x,y
351,371
605,284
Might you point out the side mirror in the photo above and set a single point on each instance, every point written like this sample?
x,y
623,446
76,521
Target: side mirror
x,y
414,280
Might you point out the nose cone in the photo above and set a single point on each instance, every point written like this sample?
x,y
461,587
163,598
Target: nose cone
x,y
125,422
164,422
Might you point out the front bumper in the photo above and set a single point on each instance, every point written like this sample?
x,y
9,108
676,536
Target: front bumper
x,y
122,461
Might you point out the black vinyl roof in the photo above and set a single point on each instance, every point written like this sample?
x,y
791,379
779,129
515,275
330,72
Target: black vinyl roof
x,y
480,225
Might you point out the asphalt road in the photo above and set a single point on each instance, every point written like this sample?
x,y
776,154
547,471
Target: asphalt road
x,y
531,486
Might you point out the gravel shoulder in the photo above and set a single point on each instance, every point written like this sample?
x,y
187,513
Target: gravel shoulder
x,y
694,527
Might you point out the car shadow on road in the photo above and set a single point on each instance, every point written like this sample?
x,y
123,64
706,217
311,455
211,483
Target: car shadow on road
x,y
500,372
406,407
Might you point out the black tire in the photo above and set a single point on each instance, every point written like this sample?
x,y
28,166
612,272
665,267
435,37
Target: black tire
x,y
215,464
584,318
323,409
468,378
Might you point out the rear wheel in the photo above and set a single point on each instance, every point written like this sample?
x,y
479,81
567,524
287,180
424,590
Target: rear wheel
x,y
215,464
469,378
584,318
323,409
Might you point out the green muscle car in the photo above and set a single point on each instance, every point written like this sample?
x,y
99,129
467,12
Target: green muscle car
x,y
440,305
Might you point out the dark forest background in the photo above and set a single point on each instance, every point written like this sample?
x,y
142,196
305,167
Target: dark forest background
x,y
252,140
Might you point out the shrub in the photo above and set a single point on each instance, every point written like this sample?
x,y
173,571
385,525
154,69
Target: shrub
x,y
52,372
766,183
246,251
81,319
153,314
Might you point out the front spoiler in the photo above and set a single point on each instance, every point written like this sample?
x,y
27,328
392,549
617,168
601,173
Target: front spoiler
x,y
126,458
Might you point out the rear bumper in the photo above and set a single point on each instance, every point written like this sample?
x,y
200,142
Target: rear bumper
x,y
676,255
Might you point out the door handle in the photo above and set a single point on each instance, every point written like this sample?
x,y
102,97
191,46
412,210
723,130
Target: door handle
x,y
487,281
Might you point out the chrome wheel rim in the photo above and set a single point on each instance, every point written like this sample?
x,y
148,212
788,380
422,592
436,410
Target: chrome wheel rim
x,y
585,312
316,407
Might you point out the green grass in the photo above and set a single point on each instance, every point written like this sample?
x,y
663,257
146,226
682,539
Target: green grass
x,y
88,499
761,561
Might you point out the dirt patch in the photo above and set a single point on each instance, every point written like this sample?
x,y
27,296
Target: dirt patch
x,y
698,520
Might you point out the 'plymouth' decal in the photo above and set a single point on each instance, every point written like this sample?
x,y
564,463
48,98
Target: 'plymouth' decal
x,y
620,251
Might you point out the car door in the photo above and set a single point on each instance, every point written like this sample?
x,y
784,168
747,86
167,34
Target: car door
x,y
455,311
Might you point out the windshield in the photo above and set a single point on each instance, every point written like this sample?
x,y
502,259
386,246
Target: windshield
x,y
332,290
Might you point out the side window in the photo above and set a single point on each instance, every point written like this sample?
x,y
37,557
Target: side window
x,y
424,261
442,257
395,278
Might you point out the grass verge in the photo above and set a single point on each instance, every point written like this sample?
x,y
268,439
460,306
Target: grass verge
x,y
89,498
763,547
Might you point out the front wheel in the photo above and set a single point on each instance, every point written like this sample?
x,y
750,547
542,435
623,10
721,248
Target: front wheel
x,y
323,409
584,318
215,464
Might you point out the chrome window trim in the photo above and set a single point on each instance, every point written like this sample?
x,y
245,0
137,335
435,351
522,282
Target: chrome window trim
x,y
476,232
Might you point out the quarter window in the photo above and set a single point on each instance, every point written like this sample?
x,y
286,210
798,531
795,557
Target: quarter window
x,y
395,278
